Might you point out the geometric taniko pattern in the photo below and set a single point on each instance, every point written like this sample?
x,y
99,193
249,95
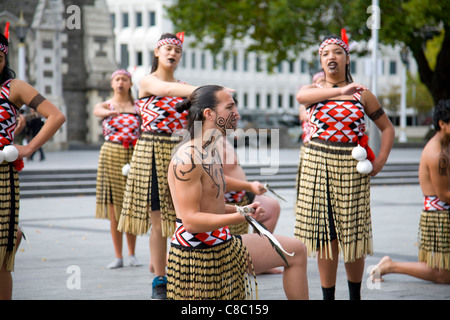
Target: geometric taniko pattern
x,y
199,240
432,203
8,114
234,196
337,120
159,114
123,127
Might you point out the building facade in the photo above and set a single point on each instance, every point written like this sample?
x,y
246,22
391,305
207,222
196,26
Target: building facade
x,y
69,58
138,25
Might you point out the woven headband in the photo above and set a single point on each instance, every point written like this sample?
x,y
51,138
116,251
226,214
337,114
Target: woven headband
x,y
178,41
4,47
333,41
121,71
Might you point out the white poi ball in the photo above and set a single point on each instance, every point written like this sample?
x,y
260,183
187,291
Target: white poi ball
x,y
364,167
359,153
126,169
11,153
2,156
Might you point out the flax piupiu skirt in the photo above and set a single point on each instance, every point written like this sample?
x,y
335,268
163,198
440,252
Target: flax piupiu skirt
x,y
333,202
110,180
147,188
221,272
9,214
434,239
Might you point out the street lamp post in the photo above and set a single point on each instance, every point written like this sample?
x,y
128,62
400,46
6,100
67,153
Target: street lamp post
x,y
21,30
402,136
374,133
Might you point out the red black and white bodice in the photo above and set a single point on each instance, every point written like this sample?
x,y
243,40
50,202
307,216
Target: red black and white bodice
x,y
123,128
8,116
159,115
201,240
337,120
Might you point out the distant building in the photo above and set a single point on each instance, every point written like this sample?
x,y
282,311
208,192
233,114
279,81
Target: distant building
x,y
69,59
138,24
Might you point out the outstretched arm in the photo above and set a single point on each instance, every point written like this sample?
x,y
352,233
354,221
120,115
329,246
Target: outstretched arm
x,y
102,110
310,94
151,85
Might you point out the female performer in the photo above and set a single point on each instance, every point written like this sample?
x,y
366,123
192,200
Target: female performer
x,y
147,200
121,127
333,201
13,94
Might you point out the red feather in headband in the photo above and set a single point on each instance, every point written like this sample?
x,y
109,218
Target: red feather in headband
x,y
344,36
7,31
180,35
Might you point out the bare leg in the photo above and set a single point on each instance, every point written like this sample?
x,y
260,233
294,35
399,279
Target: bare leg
x,y
415,269
355,270
6,284
269,219
328,267
272,209
158,245
115,234
265,257
131,241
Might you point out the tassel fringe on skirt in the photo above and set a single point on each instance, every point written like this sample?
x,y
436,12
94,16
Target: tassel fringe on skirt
x,y
152,149
333,200
9,214
221,272
110,180
434,235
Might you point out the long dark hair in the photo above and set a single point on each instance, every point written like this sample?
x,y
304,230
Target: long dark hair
x,y
348,76
7,73
201,98
155,59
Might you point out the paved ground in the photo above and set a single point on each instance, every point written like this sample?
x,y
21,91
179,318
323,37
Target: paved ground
x,y
67,248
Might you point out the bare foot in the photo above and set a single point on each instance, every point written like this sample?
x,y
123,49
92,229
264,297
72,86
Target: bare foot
x,y
380,269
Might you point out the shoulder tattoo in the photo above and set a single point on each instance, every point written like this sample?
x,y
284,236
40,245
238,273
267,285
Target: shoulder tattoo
x,y
183,166
443,162
188,165
36,101
374,116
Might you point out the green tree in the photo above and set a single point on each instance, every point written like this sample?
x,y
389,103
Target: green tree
x,y
281,29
